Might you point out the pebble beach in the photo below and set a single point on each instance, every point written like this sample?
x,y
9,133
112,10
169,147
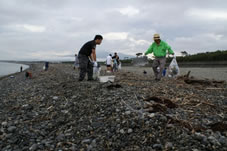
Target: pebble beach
x,y
53,111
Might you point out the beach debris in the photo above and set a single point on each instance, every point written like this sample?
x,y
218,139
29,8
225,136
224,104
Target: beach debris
x,y
167,102
28,74
173,69
191,80
219,126
112,86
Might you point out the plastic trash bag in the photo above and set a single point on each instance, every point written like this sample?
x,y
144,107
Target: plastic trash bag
x,y
173,69
119,66
96,72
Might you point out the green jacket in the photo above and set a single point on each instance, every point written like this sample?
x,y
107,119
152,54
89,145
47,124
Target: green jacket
x,y
159,50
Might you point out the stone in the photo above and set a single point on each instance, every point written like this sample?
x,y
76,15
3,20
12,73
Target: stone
x,y
168,145
122,131
128,112
60,137
55,97
4,124
11,129
33,147
157,146
213,140
85,141
223,140
151,115
130,130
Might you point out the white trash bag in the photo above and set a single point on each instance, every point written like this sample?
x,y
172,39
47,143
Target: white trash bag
x,y
173,69
119,66
96,72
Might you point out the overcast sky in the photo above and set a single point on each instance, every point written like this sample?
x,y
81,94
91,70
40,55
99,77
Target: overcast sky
x,y
56,29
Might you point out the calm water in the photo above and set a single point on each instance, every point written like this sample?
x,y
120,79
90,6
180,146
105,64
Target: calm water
x,y
9,68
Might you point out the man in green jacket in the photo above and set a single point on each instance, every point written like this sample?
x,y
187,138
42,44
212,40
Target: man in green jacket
x,y
159,48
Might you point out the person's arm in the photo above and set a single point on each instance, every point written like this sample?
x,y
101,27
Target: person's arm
x,y
93,55
149,50
170,51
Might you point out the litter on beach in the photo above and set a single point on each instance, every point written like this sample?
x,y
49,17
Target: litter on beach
x,y
106,78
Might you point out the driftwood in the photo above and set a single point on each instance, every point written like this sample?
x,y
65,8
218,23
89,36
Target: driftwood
x,y
196,81
167,102
219,126
186,124
191,80
156,104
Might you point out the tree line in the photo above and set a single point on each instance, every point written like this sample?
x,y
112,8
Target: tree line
x,y
219,55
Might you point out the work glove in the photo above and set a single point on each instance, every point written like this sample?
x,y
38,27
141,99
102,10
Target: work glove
x,y
95,64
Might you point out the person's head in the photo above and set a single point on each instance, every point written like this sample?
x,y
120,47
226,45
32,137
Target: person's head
x,y
98,39
115,54
110,55
157,39
75,54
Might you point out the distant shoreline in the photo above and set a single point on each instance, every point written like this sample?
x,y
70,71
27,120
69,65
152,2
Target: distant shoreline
x,y
16,72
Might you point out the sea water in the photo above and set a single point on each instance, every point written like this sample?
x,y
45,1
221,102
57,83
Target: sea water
x,y
9,68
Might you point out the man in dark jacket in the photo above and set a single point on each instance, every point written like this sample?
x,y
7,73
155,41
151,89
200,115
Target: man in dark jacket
x,y
87,58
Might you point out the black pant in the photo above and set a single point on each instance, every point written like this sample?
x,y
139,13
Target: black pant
x,y
86,66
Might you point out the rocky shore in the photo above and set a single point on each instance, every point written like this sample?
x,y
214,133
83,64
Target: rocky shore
x,y
53,111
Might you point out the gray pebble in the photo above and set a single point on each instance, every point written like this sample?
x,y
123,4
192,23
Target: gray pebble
x,y
122,131
86,141
130,130
33,147
223,140
4,124
157,146
128,112
168,145
12,129
55,97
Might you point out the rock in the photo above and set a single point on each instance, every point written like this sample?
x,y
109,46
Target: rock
x,y
213,140
4,124
11,129
122,131
55,97
151,115
60,137
163,118
158,146
223,140
128,112
199,136
118,120
33,147
86,141
130,130
168,145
